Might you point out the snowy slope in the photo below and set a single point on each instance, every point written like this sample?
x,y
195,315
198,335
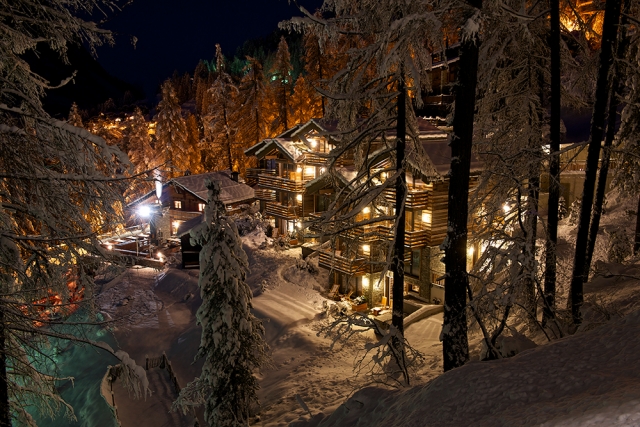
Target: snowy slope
x,y
590,379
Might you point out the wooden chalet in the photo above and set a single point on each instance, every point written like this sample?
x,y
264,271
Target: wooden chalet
x,y
184,198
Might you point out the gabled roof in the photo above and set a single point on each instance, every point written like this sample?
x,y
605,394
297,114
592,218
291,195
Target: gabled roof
x,y
230,190
186,226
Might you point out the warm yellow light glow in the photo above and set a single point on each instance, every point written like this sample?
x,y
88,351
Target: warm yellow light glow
x,y
366,210
313,142
160,256
426,217
383,175
310,170
299,224
299,169
322,170
365,282
366,249
291,227
470,250
299,197
506,208
110,247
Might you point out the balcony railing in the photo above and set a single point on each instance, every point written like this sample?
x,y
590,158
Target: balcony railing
x,y
281,211
334,261
253,173
415,199
264,194
282,184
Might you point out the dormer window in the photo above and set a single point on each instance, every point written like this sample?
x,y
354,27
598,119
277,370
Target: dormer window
x,y
177,204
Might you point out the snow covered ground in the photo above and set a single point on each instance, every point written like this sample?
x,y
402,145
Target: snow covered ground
x,y
588,379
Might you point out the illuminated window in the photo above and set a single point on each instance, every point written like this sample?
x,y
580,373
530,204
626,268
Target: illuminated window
x,y
426,217
366,249
200,207
177,204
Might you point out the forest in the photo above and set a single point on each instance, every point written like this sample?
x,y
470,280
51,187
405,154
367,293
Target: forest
x,y
500,78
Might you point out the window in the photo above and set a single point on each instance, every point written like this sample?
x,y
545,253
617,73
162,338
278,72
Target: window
x,y
177,204
200,207
412,267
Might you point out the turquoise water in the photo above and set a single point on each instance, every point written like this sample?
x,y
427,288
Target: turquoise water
x,y
87,365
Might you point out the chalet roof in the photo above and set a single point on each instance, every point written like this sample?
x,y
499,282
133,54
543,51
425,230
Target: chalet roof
x,y
186,226
230,190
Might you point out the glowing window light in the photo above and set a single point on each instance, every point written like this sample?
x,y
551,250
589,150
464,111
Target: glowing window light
x,y
383,175
366,249
366,210
290,227
470,251
299,169
310,170
299,197
426,217
365,282
313,142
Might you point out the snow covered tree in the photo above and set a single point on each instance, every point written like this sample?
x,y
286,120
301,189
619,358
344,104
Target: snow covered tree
x,y
220,130
74,116
171,133
607,54
305,102
251,99
61,187
282,82
193,142
141,153
232,342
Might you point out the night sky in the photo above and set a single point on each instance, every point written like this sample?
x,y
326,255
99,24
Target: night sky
x,y
175,34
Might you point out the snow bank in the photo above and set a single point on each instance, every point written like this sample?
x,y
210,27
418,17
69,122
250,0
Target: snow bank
x,y
590,379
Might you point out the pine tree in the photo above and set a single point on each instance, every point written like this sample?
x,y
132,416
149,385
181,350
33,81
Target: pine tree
x,y
251,100
141,154
305,102
220,130
75,119
171,134
193,144
282,82
232,342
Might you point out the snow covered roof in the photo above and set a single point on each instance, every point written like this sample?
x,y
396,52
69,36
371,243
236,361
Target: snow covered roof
x,y
230,190
186,226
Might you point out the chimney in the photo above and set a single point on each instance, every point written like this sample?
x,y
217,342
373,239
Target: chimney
x,y
234,176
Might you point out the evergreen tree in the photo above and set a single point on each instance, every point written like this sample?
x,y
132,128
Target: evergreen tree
x,y
141,154
220,131
305,102
193,144
282,82
232,342
251,103
171,134
74,116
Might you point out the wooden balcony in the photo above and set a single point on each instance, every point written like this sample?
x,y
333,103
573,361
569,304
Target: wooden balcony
x,y
314,159
415,199
264,194
285,212
282,184
417,239
253,173
334,261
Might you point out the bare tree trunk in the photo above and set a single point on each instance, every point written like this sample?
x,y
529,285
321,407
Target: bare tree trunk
x,y
5,412
397,319
636,244
609,36
554,168
455,345
531,231
608,142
